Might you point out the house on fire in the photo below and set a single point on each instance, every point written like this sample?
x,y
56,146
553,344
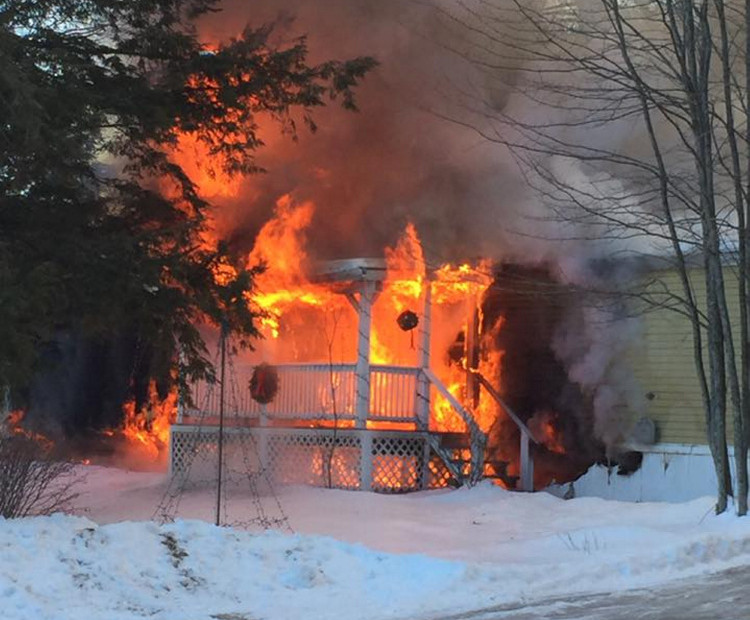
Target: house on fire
x,y
358,423
364,408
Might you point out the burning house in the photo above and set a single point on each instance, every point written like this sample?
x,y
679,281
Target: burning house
x,y
343,390
463,349
378,418
473,343
376,374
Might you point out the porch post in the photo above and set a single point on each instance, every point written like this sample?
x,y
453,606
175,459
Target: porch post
x,y
180,394
423,384
366,298
425,474
527,463
365,461
471,352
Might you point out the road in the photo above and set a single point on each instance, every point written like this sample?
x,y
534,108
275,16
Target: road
x,y
722,596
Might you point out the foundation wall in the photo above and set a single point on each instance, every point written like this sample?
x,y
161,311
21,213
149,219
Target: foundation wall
x,y
668,473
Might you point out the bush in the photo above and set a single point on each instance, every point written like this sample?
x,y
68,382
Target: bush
x,y
32,480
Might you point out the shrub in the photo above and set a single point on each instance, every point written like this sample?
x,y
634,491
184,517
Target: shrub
x,y
33,480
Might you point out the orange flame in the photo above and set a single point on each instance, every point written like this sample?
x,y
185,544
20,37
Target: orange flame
x,y
280,245
147,430
194,158
13,425
544,426
296,307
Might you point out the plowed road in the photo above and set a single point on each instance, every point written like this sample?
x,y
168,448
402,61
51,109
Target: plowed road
x,y
722,596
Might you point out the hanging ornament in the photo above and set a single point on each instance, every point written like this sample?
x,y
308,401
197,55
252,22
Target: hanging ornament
x,y
407,320
264,383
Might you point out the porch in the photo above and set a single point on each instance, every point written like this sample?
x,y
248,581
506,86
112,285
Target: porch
x,y
311,432
354,425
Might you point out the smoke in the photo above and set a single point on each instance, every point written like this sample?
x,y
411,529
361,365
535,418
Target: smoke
x,y
415,153
393,162
595,344
426,146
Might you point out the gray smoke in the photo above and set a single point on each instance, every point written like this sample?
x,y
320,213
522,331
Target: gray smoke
x,y
394,161
415,152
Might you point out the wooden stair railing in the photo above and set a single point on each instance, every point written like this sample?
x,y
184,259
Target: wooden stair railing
x,y
478,439
451,447
526,458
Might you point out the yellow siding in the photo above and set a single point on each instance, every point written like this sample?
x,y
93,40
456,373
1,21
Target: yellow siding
x,y
664,365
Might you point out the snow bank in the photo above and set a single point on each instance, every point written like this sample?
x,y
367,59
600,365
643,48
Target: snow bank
x,y
392,556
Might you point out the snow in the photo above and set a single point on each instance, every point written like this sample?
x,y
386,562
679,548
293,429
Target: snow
x,y
352,555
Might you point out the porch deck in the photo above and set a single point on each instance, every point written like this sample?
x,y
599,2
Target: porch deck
x,y
357,425
312,433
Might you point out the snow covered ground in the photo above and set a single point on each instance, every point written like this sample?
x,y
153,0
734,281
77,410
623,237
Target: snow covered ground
x,y
352,555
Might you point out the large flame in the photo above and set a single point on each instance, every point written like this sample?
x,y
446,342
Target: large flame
x,y
306,321
280,246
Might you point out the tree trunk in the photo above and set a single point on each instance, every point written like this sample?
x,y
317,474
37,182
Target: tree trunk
x,y
716,412
739,385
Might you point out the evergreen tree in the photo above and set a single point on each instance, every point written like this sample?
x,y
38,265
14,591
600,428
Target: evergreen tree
x,y
94,95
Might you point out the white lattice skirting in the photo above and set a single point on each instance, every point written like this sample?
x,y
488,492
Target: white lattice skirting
x,y
382,461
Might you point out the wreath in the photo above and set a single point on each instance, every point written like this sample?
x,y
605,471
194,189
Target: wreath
x,y
264,383
407,320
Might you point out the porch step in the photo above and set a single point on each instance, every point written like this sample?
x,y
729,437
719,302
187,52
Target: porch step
x,y
449,447
446,456
498,470
455,441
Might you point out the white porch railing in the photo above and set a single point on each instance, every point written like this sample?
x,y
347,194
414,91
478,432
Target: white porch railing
x,y
328,392
314,392
393,392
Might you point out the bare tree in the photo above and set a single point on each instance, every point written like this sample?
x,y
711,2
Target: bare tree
x,y
630,119
32,480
